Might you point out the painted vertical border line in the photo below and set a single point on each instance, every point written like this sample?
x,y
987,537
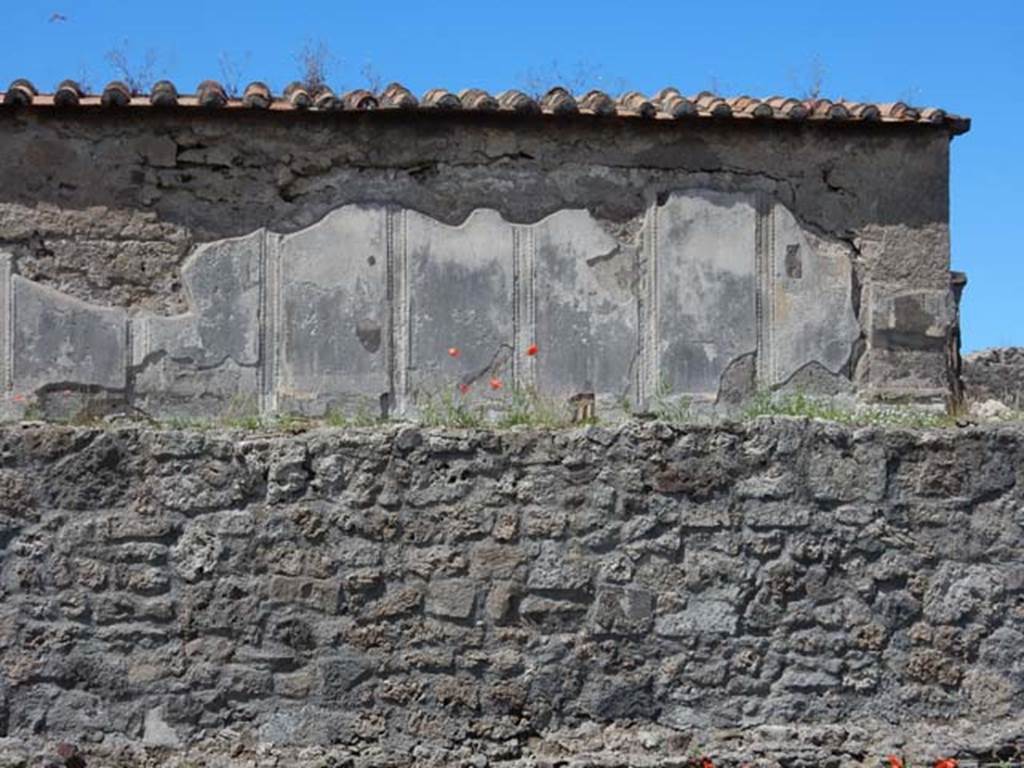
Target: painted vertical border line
x,y
399,325
6,327
764,295
524,306
270,301
647,311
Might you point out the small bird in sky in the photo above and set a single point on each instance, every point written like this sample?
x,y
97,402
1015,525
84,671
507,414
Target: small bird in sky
x,y
58,17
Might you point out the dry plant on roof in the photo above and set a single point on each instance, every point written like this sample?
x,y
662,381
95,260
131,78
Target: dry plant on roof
x,y
137,74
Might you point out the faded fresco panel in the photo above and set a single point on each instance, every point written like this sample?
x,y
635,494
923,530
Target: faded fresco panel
x,y
460,293
586,307
706,287
334,313
58,340
812,315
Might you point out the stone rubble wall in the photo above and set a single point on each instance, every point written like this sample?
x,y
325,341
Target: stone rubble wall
x,y
111,211
995,374
780,590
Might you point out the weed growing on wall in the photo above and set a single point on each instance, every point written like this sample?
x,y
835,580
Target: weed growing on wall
x,y
803,406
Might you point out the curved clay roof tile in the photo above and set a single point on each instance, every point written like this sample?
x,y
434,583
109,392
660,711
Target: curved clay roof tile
x,y
597,103
439,98
666,93
713,105
20,93
257,95
360,100
211,94
637,103
742,105
817,107
558,101
480,100
164,94
677,106
116,94
862,111
787,108
68,94
325,100
295,93
838,111
517,101
396,96
933,114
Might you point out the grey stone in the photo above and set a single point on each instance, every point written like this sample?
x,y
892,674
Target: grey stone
x,y
156,732
622,611
451,598
701,616
341,673
556,568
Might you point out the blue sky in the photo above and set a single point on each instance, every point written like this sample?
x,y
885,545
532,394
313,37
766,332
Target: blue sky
x,y
964,57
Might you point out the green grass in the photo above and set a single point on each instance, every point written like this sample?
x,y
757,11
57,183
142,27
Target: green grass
x,y
446,410
665,407
528,408
802,406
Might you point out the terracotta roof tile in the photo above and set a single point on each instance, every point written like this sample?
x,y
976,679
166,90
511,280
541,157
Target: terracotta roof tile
x,y
164,94
667,104
558,101
597,103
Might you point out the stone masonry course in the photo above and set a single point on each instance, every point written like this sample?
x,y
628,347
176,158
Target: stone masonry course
x,y
779,590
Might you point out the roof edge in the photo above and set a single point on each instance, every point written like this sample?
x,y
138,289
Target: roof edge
x,y
667,104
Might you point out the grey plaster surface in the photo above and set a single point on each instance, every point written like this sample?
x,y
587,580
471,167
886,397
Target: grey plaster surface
x,y
332,319
57,340
108,210
381,308
705,291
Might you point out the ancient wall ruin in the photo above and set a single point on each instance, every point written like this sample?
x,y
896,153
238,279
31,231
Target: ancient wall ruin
x,y
784,590
183,261
996,374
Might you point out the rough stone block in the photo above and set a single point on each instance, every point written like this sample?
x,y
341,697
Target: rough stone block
x,y
451,598
702,615
558,568
622,611
341,673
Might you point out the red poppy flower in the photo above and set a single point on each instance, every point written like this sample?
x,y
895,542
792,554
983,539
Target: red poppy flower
x,y
496,383
946,762
705,762
453,352
19,398
532,350
895,761
464,388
